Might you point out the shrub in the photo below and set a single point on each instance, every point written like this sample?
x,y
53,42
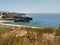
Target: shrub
x,y
57,32
32,36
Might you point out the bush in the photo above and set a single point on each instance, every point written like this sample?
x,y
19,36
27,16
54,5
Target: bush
x,y
57,32
32,36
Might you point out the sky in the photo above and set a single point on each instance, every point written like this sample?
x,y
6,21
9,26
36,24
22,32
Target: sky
x,y
30,6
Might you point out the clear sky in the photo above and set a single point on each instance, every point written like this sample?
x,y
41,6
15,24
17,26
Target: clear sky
x,y
30,6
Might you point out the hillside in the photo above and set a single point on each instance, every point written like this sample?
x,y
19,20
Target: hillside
x,y
12,35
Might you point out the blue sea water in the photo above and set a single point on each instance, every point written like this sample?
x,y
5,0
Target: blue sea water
x,y
40,20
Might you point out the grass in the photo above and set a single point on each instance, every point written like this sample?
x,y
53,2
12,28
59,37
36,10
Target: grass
x,y
34,36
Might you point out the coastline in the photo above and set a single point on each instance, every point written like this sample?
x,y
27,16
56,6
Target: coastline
x,y
20,26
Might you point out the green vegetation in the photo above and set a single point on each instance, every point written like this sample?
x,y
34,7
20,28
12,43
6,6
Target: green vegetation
x,y
32,37
57,32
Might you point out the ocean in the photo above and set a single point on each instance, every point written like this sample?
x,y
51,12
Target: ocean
x,y
40,20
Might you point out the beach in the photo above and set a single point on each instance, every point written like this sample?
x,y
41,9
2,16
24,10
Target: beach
x,y
6,20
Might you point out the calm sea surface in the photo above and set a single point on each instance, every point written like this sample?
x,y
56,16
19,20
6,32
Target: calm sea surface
x,y
40,20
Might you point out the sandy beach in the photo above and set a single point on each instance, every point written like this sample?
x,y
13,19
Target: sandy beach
x,y
6,20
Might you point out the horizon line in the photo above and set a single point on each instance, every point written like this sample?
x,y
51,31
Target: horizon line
x,y
31,12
